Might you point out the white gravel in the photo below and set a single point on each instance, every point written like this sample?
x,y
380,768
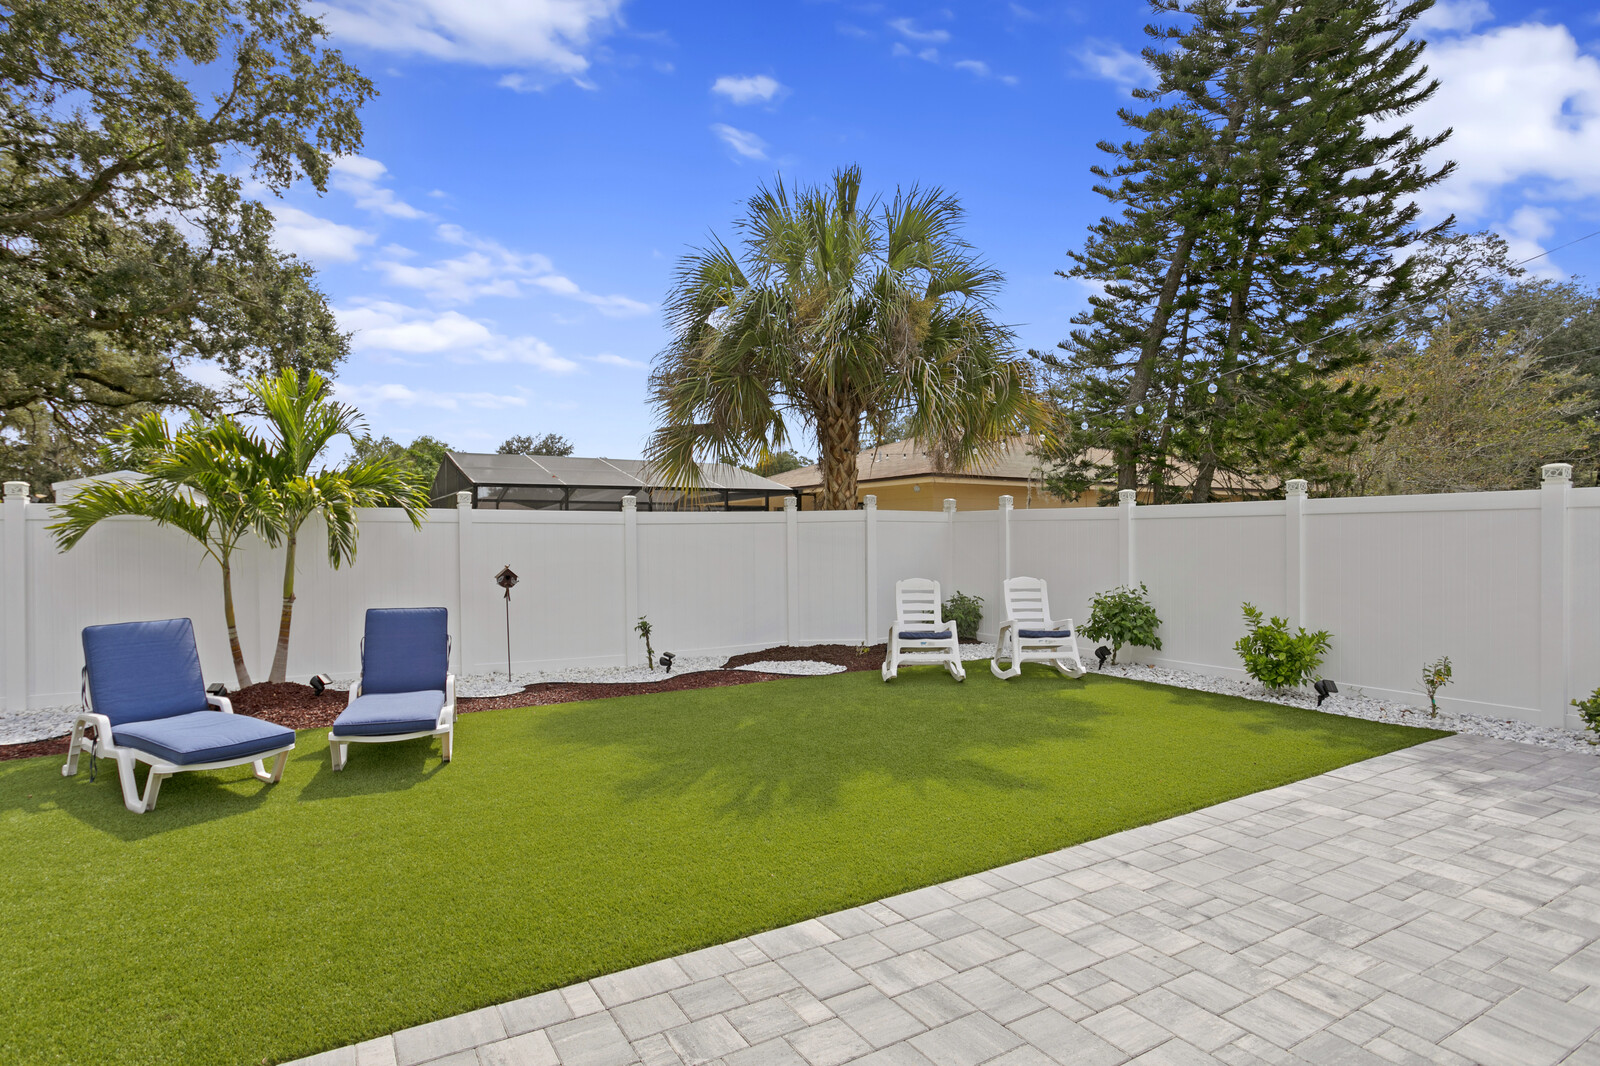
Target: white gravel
x,y
1352,704
798,667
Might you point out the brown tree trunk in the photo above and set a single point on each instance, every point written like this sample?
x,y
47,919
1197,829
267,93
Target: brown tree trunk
x,y
839,440
240,670
280,657
1128,461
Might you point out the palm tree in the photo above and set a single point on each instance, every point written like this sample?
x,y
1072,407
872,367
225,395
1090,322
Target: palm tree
x,y
209,480
302,420
838,315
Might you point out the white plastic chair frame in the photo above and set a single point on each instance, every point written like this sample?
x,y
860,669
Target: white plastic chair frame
x,y
1027,602
917,610
102,747
339,747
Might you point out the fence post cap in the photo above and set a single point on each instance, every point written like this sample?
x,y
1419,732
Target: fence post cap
x,y
789,503
16,490
949,506
1006,502
1127,497
1296,486
630,503
1553,474
464,498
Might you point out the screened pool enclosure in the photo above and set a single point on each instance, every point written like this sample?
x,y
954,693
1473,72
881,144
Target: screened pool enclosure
x,y
571,483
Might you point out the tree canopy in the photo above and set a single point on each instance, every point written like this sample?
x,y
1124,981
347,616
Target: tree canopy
x,y
523,444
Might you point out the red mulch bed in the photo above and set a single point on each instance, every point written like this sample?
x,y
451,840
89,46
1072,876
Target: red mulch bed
x,y
849,656
297,707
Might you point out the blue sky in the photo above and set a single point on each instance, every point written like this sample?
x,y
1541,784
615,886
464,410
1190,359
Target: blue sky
x,y
533,168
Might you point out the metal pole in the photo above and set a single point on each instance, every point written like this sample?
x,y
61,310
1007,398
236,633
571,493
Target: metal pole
x,y
508,636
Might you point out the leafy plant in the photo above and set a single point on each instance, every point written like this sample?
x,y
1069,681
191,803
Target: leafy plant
x,y
1274,656
1123,616
643,628
1435,676
1589,711
966,612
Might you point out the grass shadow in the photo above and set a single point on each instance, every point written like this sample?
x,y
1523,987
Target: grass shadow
x,y
371,769
797,744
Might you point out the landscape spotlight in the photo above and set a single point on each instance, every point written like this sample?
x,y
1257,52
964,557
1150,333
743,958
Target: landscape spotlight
x,y
1102,653
218,689
319,682
1325,688
666,660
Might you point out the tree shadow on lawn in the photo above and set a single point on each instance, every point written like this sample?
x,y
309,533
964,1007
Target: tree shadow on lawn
x,y
35,786
785,745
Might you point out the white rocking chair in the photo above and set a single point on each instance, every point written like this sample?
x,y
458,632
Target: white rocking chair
x,y
1030,635
919,637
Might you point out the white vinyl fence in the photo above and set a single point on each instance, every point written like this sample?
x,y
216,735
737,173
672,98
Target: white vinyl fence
x,y
1507,584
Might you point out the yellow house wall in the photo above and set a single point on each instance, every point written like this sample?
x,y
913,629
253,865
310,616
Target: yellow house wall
x,y
929,494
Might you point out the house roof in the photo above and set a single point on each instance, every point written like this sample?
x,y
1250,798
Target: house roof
x,y
905,458
571,471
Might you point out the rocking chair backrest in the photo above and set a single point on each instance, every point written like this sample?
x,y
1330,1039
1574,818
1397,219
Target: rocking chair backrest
x,y
916,602
1027,600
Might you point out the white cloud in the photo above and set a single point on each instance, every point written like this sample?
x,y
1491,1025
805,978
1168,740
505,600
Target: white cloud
x,y
403,396
1452,16
617,360
385,326
976,66
1524,102
929,55
1111,61
912,32
359,176
488,268
743,142
314,238
544,34
1525,235
748,89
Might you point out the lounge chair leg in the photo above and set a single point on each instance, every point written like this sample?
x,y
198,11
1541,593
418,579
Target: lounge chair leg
x,y
71,768
152,789
277,769
446,742
339,753
129,783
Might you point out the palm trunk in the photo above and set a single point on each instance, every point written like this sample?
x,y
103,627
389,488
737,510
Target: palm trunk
x,y
241,671
280,658
839,439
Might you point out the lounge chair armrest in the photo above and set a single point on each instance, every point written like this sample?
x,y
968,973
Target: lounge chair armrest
x,y
447,713
354,693
221,703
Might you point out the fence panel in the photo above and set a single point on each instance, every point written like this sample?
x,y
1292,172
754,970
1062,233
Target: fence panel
x,y
1074,550
833,576
1585,619
910,544
713,583
1201,562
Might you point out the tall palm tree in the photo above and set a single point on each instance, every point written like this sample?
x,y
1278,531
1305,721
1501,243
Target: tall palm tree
x,y
837,314
302,420
208,480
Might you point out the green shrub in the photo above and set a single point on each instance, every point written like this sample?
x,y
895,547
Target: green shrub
x,y
644,629
966,612
1274,656
1435,676
1589,711
1123,616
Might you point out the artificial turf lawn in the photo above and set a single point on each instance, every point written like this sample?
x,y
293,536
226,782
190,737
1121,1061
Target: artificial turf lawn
x,y
246,923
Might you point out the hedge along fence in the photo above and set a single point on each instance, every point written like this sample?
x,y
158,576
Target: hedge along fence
x,y
1507,584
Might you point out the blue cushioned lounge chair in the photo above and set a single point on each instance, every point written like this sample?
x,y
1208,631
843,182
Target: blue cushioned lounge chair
x,y
406,688
145,697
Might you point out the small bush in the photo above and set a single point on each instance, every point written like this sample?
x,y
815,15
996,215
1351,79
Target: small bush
x,y
1274,656
966,612
1435,676
644,629
1589,710
1123,616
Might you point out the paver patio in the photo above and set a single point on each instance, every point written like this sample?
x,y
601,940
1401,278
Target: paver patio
x,y
1437,905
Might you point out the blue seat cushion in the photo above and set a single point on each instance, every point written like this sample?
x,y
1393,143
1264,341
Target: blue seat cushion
x,y
388,713
924,634
203,736
140,671
1044,634
406,649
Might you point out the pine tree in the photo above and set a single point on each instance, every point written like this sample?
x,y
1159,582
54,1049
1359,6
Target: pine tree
x,y
1258,246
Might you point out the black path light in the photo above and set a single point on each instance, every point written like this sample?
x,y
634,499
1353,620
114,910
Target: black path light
x,y
507,579
666,660
1102,653
1325,688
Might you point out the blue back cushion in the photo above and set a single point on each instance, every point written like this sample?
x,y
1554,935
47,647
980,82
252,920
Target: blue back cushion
x,y
140,671
407,649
